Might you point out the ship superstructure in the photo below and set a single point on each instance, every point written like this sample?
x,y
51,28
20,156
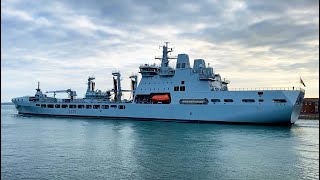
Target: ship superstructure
x,y
181,93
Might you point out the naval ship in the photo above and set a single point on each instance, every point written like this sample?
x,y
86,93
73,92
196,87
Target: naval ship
x,y
181,93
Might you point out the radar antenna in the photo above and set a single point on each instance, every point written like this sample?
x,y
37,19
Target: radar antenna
x,y
165,58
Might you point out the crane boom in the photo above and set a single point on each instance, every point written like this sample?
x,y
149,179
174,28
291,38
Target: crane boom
x,y
71,93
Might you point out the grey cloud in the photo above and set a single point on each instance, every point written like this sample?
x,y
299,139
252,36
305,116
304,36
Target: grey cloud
x,y
239,34
275,6
311,65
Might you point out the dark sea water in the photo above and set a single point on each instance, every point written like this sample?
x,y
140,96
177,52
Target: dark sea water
x,y
79,148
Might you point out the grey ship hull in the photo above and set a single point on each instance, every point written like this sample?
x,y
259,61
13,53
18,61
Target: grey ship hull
x,y
266,112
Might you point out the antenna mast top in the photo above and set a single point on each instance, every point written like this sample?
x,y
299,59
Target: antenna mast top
x,y
38,89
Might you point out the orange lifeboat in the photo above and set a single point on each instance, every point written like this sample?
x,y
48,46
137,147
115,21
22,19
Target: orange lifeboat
x,y
160,98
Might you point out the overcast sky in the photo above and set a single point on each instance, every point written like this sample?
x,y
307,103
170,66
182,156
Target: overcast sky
x,y
251,43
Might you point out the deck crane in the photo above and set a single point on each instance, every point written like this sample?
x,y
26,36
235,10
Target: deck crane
x,y
71,93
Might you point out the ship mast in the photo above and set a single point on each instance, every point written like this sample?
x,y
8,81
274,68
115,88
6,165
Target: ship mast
x,y
38,89
164,68
165,58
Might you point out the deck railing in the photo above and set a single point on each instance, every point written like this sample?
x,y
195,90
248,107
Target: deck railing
x,y
267,89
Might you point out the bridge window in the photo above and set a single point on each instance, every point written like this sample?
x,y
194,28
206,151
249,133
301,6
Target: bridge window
x,y
57,106
176,88
122,107
182,82
260,100
228,100
43,105
37,104
50,105
215,100
182,88
248,100
114,106
88,106
64,106
279,100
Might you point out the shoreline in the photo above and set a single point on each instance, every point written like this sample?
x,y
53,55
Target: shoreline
x,y
309,116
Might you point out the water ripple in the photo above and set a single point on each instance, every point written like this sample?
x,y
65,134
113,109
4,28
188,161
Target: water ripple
x,y
63,148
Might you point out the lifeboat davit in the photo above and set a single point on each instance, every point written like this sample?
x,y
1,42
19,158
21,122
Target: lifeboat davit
x,y
160,98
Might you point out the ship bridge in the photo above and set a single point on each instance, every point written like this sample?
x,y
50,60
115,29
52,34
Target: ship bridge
x,y
147,70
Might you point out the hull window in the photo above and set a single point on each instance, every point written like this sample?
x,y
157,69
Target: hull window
x,y
279,100
96,106
72,106
248,100
80,106
228,100
114,106
215,100
105,106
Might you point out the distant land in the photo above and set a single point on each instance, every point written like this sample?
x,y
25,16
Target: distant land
x,y
6,103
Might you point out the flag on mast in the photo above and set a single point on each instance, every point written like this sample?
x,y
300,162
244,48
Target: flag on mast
x,y
302,82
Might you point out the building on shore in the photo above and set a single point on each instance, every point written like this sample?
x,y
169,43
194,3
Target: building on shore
x,y
310,108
